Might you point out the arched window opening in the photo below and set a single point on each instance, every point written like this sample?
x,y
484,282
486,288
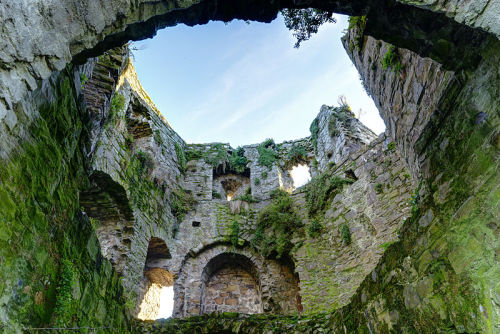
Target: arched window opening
x,y
158,283
231,284
300,175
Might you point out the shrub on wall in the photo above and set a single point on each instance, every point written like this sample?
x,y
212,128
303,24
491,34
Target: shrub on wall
x,y
238,161
267,153
345,233
391,60
276,224
296,155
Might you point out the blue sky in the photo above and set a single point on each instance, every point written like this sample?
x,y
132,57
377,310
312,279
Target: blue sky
x,y
244,82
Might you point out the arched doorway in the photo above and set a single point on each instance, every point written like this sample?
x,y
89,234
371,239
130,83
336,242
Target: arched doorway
x,y
230,283
158,296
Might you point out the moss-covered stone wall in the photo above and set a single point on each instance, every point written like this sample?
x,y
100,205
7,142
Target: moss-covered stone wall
x,y
52,271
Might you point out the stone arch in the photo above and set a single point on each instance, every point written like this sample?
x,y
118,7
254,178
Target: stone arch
x,y
107,204
277,282
155,278
230,283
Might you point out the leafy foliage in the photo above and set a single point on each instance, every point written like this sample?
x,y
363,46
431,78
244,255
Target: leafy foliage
x,y
238,161
320,190
83,79
247,198
215,194
391,60
276,224
305,22
314,228
379,188
193,154
296,155
267,153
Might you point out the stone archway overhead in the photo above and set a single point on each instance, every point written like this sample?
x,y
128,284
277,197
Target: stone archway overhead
x,y
56,33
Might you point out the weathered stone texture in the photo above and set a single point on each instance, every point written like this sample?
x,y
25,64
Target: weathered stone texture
x,y
374,207
231,289
406,100
339,135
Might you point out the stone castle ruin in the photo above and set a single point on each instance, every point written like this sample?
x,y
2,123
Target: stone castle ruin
x,y
103,204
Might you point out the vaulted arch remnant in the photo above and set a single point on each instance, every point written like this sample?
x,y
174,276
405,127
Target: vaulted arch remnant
x,y
157,283
107,204
231,283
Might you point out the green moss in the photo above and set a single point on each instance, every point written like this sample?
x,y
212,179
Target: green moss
x,y
379,188
256,181
391,146
65,306
264,175
215,194
40,212
267,153
181,159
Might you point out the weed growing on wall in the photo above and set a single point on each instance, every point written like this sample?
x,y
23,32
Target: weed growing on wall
x,y
267,153
117,105
181,202
234,233
276,224
296,155
181,158
320,190
345,233
238,161
314,228
391,60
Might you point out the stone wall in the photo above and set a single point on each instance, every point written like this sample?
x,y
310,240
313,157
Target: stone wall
x,y
52,269
373,208
231,289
